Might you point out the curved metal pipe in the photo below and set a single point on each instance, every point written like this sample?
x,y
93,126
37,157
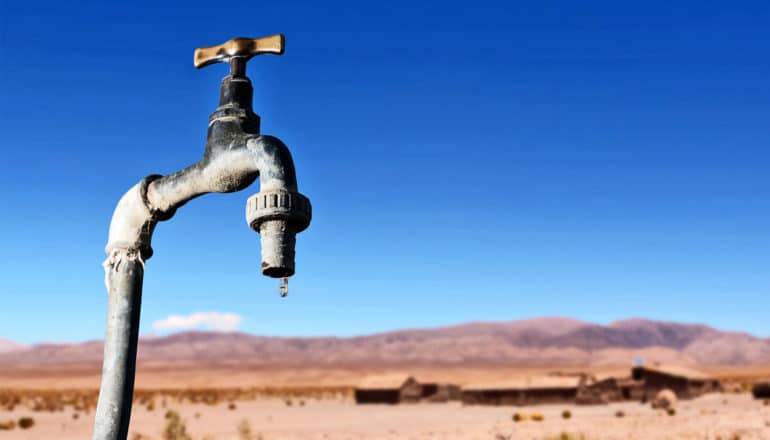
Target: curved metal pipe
x,y
262,156
155,199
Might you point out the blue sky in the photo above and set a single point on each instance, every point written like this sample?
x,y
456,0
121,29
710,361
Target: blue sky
x,y
469,161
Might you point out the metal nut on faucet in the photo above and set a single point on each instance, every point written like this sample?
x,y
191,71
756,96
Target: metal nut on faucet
x,y
278,204
277,215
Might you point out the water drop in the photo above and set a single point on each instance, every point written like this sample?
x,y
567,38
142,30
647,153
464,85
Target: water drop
x,y
283,287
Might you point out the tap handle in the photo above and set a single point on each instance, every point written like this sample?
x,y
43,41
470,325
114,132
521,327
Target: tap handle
x,y
238,51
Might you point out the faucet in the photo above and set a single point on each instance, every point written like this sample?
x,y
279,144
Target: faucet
x,y
236,154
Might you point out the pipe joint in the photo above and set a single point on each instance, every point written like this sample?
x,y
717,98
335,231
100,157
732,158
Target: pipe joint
x,y
134,220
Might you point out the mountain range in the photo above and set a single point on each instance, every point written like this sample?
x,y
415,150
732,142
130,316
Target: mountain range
x,y
534,342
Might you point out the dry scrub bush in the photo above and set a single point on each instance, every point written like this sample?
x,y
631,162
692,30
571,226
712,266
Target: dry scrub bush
x,y
620,414
732,437
7,425
761,390
244,431
83,401
48,400
671,411
568,436
664,399
26,422
519,417
231,406
566,414
175,427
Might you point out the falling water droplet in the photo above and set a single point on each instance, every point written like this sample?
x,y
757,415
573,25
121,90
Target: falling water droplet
x,y
283,287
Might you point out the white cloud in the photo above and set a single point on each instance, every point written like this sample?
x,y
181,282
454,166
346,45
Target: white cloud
x,y
220,322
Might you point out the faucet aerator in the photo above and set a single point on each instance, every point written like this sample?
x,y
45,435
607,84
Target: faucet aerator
x,y
278,238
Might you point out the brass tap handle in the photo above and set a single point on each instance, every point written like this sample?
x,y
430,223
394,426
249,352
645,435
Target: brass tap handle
x,y
238,51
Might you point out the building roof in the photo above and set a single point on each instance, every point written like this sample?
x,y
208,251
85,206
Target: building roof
x,y
675,370
384,381
530,382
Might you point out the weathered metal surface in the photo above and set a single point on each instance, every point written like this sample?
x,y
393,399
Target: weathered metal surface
x,y
236,154
278,215
124,271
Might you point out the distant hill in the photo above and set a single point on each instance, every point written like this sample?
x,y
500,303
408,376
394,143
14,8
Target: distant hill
x,y
7,346
533,342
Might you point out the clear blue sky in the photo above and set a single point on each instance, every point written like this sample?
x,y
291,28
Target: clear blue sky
x,y
469,161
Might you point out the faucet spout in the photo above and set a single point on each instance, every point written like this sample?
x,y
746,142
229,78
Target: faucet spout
x,y
278,212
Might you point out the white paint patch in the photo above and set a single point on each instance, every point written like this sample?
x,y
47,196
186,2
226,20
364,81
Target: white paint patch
x,y
214,321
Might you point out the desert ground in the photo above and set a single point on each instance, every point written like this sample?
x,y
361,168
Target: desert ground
x,y
310,404
715,416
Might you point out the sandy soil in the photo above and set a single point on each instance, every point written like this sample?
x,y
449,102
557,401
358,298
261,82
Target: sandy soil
x,y
715,416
